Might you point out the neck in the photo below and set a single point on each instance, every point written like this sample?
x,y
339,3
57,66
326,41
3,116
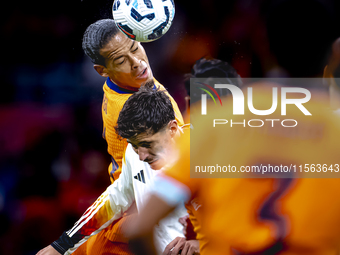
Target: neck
x,y
125,87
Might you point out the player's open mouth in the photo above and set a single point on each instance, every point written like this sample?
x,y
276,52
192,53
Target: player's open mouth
x,y
143,74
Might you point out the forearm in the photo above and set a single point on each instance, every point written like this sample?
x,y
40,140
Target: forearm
x,y
139,230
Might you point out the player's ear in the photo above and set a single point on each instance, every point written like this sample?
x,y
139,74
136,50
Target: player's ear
x,y
173,126
101,70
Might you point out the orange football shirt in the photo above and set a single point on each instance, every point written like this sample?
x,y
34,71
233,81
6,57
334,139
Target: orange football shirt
x,y
286,216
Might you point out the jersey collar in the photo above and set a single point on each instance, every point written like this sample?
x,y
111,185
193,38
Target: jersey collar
x,y
118,89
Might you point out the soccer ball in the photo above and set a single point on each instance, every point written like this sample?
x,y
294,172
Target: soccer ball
x,y
143,20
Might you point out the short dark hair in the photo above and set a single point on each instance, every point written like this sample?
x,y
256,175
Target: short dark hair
x,y
212,68
96,36
148,110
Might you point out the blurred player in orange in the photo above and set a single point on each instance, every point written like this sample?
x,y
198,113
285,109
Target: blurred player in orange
x,y
207,69
125,65
286,216
259,216
332,74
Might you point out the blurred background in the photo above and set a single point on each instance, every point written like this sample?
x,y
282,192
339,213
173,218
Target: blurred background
x,y
53,160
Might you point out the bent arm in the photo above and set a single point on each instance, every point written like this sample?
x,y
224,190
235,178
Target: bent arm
x,y
110,206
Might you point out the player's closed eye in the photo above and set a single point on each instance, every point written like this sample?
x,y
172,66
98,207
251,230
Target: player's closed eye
x,y
133,51
145,144
142,144
121,62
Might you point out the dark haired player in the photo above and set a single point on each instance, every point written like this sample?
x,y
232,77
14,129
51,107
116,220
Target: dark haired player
x,y
125,65
148,121
211,68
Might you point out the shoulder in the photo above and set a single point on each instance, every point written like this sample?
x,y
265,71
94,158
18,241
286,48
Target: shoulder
x,y
158,84
132,161
130,156
113,102
114,95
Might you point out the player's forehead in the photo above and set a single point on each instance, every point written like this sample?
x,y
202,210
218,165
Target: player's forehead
x,y
118,44
146,137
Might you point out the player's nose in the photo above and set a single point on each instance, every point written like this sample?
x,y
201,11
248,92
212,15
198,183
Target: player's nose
x,y
135,62
143,153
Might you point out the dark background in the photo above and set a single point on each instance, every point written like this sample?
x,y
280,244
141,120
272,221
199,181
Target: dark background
x,y
53,160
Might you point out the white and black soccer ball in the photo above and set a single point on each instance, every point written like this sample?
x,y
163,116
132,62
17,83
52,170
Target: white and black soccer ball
x,y
143,20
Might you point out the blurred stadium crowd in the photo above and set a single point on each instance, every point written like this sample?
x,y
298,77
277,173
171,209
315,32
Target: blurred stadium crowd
x,y
53,160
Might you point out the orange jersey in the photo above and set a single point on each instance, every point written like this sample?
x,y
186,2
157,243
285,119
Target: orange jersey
x,y
286,216
113,102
